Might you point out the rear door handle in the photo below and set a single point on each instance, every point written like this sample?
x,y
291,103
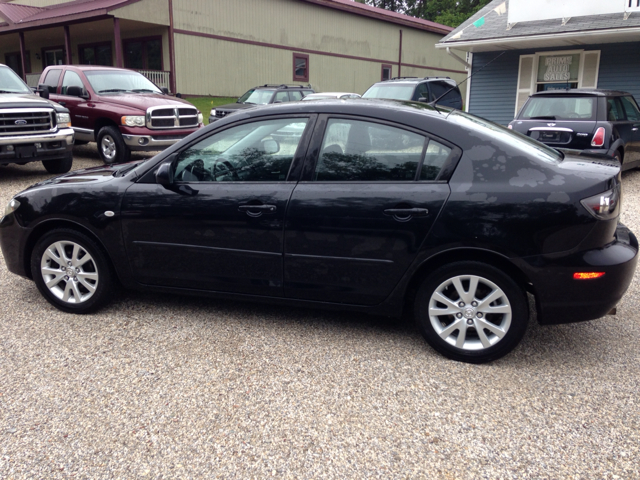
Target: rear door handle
x,y
405,212
257,210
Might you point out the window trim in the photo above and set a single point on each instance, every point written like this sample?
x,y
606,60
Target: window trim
x,y
383,66
300,78
144,40
93,45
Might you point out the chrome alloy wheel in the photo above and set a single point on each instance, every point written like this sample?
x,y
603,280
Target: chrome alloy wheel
x,y
69,272
109,149
470,312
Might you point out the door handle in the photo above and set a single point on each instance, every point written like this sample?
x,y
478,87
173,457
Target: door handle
x,y
257,210
407,212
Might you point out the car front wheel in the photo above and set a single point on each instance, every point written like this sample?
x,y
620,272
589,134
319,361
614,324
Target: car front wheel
x,y
111,146
71,271
471,312
60,165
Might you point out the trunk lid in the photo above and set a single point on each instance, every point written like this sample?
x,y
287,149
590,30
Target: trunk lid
x,y
571,134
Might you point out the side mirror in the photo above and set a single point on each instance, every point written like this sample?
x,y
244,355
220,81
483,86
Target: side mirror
x,y
75,91
164,175
270,146
178,95
43,90
165,90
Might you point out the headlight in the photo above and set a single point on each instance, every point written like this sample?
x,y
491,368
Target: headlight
x,y
213,112
11,207
133,121
63,120
200,118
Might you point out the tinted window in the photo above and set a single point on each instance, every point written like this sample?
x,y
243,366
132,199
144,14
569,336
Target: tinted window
x,y
362,151
254,152
435,158
422,91
559,108
630,108
614,110
71,79
52,78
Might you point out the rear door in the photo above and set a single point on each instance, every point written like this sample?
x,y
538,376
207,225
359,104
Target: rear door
x,y
369,195
632,120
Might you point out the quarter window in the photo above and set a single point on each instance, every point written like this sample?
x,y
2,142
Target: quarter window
x,y
614,110
254,152
300,67
435,158
353,151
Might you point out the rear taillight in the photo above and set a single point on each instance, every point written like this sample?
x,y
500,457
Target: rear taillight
x,y
510,127
605,205
598,138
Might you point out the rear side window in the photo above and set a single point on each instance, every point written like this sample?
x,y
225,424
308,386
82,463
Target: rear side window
x,y
630,108
615,111
52,78
354,150
295,95
559,108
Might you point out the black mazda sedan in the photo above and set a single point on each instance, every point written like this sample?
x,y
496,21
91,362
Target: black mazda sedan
x,y
368,205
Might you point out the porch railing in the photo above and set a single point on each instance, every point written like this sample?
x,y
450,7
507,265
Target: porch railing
x,y
32,79
159,77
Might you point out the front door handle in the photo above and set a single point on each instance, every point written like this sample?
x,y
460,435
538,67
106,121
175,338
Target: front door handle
x,y
257,210
407,212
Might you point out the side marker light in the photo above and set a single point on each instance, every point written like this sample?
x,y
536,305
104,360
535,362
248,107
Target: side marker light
x,y
587,275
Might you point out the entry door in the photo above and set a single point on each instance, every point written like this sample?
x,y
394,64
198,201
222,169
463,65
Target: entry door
x,y
357,224
219,226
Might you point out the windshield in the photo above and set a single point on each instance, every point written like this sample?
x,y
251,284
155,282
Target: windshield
x,y
559,108
258,97
396,92
117,81
486,128
12,83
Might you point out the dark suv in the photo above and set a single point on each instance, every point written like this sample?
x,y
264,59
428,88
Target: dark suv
x,y
595,121
425,89
262,95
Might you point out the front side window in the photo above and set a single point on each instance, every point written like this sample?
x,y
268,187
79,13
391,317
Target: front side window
x,y
253,152
295,95
631,108
71,79
354,150
554,107
300,67
52,79
615,113
281,97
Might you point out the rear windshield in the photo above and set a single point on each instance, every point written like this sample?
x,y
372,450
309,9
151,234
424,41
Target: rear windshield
x,y
485,128
392,91
559,108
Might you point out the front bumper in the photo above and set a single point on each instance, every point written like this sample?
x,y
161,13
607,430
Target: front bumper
x,y
49,146
562,299
151,142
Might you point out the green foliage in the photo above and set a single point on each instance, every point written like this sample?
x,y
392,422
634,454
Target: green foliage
x,y
446,12
205,104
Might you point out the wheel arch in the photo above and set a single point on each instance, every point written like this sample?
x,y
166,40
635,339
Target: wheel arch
x,y
45,227
103,122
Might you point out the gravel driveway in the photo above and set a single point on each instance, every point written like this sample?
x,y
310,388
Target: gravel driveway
x,y
179,387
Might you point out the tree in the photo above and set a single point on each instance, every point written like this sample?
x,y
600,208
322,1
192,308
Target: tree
x,y
446,12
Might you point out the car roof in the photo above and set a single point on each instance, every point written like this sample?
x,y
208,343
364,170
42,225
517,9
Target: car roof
x,y
582,92
283,86
415,80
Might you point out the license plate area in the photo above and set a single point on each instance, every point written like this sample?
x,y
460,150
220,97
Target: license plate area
x,y
554,137
25,151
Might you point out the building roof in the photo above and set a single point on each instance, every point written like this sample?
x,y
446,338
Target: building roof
x,y
489,30
21,17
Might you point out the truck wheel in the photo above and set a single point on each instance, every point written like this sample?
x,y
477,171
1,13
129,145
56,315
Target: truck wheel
x,y
111,146
61,165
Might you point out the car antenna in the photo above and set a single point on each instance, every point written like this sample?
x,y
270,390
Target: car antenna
x,y
433,103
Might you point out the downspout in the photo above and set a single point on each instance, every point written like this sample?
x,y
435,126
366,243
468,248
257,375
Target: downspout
x,y
464,62
400,56
172,52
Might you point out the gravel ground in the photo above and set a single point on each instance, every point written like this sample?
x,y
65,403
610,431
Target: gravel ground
x,y
178,387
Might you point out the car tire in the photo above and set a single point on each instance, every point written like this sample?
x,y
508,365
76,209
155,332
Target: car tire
x,y
111,146
71,271
460,290
60,165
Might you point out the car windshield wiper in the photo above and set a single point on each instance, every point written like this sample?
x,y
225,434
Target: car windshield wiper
x,y
548,117
143,90
112,90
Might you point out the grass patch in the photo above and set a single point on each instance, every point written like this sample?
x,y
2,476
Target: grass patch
x,y
205,104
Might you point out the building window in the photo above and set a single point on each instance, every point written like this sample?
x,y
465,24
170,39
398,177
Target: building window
x,y
96,54
52,56
14,62
143,53
300,67
386,72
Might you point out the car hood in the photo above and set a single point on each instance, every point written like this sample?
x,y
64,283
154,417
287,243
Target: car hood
x,y
26,100
93,175
142,101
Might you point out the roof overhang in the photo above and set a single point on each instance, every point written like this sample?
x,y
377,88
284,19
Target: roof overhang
x,y
565,39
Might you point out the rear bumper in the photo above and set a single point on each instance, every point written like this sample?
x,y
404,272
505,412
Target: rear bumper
x,y
562,299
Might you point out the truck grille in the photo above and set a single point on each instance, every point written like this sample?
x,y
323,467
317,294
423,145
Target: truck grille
x,y
172,117
223,113
22,121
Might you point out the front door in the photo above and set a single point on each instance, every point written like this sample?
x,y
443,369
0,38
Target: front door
x,y
357,222
219,226
78,107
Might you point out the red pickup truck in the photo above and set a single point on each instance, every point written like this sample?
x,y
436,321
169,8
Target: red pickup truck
x,y
119,109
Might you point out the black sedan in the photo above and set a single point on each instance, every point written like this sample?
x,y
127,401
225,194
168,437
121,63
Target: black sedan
x,y
366,205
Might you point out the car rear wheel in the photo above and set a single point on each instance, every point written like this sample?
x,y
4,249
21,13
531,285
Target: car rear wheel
x,y
111,146
61,165
471,312
71,271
